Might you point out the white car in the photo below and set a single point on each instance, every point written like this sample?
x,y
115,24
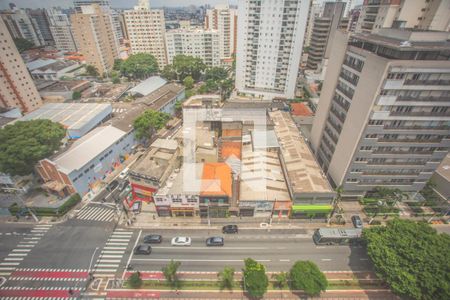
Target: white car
x,y
181,241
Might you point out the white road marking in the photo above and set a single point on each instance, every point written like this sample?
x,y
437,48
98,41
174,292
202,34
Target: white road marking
x,y
210,248
132,252
198,260
285,260
326,259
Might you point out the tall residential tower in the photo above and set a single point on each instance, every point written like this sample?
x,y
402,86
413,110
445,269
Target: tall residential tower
x,y
269,46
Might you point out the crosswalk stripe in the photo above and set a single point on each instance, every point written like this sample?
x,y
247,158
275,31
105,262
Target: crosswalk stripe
x,y
9,263
105,270
109,260
116,244
114,248
21,250
18,254
106,265
7,268
113,252
112,256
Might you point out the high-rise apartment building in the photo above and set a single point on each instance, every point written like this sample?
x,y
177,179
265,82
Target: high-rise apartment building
x,y
423,14
21,26
383,117
61,30
223,19
39,19
146,31
79,3
17,89
323,32
94,36
269,46
200,43
314,12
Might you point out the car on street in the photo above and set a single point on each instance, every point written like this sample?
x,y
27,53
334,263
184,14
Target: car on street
x,y
181,241
356,220
124,173
153,239
214,241
123,185
112,185
230,229
143,249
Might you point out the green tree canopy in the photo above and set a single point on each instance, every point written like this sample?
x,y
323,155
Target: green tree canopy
x,y
76,95
305,275
216,73
281,279
226,277
185,65
139,66
23,44
92,70
117,64
135,280
149,122
170,272
24,143
255,278
412,258
188,82
169,73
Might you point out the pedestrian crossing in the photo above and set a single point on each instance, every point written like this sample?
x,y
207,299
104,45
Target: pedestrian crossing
x,y
96,213
18,254
112,253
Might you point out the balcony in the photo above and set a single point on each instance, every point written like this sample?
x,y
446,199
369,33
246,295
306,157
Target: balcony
x,y
395,163
430,99
357,67
391,152
420,113
426,82
352,80
443,127
435,140
347,93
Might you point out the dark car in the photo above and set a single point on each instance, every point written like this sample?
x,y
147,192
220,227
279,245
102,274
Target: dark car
x,y
230,229
123,185
112,185
356,220
214,241
153,239
143,249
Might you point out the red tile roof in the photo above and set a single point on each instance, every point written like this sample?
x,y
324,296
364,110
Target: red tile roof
x,y
216,180
300,109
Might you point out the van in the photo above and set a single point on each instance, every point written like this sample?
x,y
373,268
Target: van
x,y
124,173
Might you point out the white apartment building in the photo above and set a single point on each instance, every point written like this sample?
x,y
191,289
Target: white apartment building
x,y
383,117
146,30
20,25
61,30
200,43
269,46
223,19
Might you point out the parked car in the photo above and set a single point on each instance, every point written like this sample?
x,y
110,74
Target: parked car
x,y
143,249
124,173
214,241
181,241
113,184
153,239
230,229
356,220
123,185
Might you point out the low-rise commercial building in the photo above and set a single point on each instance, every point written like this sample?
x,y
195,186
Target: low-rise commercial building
x,y
216,190
309,189
59,91
148,86
150,172
52,69
203,101
164,98
82,167
77,118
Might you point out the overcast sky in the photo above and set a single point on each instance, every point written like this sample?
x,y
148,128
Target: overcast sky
x,y
118,3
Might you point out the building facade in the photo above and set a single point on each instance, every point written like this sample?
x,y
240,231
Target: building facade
x,y
95,37
223,19
17,89
323,32
61,30
20,25
383,117
269,46
39,19
200,43
146,31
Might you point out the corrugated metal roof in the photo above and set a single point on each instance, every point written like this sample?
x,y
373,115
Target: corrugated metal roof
x,y
38,63
148,86
87,148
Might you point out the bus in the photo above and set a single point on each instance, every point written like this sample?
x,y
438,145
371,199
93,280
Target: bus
x,y
337,236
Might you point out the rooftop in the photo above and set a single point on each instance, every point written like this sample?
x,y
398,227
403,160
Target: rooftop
x,y
166,144
39,63
124,115
264,139
70,115
160,97
303,171
55,66
87,148
216,180
198,101
444,168
175,184
148,86
231,148
261,176
62,86
300,109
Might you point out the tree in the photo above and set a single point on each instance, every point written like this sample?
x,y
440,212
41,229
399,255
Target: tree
x,y
149,122
255,278
178,107
76,95
306,276
170,272
226,87
169,73
24,143
412,258
216,74
226,278
135,281
115,77
139,66
188,82
281,279
92,70
185,65
23,44
117,64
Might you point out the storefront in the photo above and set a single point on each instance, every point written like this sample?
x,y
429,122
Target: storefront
x,y
281,209
163,211
142,193
310,211
183,211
